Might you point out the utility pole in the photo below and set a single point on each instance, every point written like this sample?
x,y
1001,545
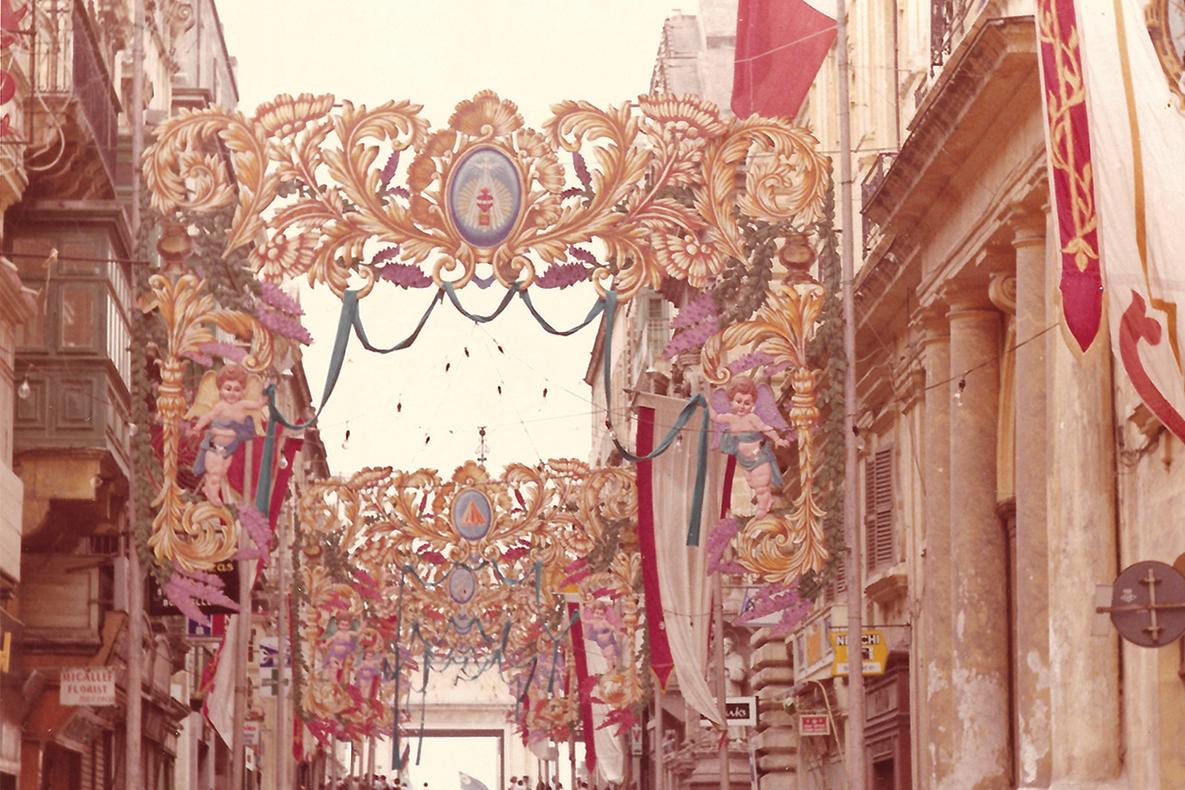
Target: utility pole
x,y
242,625
721,683
133,762
282,733
855,727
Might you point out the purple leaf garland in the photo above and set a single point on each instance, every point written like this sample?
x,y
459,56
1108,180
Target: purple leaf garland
x,y
283,324
698,320
777,598
583,255
202,359
273,296
691,338
385,254
697,310
749,361
718,540
405,275
562,275
186,588
388,171
581,169
257,527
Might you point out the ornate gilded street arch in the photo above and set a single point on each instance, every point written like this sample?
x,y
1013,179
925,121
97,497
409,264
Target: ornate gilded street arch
x,y
661,194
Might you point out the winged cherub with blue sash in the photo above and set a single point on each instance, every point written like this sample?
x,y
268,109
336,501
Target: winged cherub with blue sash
x,y
745,412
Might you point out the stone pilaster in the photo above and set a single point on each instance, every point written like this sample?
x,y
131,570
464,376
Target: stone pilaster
x,y
934,744
1031,677
1086,736
776,741
978,554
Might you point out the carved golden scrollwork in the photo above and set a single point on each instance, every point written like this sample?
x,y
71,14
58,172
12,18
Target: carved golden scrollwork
x,y
192,535
779,547
660,193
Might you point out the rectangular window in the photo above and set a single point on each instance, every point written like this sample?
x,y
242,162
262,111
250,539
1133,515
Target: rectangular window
x,y
658,327
79,316
878,511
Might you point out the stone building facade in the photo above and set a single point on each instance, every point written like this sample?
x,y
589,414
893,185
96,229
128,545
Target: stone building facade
x,y
66,262
1014,475
1004,479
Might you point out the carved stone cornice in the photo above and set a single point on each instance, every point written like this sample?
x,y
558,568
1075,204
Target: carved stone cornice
x,y
985,75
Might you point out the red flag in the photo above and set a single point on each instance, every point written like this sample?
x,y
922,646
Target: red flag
x,y
780,46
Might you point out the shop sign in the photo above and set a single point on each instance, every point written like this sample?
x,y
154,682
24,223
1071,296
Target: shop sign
x,y
813,724
91,686
251,734
875,650
741,711
159,605
213,632
5,651
9,636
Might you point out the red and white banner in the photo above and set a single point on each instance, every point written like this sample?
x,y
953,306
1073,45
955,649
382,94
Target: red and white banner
x,y
780,46
680,571
1115,62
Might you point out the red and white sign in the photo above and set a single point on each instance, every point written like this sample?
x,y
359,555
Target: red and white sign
x,y
813,724
93,686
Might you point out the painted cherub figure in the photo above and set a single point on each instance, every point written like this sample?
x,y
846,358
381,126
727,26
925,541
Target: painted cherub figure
x,y
228,423
745,416
602,624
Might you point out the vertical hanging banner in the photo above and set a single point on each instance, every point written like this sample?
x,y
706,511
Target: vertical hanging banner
x,y
1127,64
1071,183
781,44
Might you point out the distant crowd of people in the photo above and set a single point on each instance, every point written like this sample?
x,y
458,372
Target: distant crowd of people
x,y
377,782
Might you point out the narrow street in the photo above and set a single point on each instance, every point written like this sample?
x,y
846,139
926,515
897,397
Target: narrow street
x,y
535,395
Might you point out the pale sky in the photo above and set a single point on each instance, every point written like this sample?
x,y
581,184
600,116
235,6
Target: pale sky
x,y
534,52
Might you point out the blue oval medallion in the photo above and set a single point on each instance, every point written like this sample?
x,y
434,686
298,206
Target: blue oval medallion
x,y
485,197
462,584
472,514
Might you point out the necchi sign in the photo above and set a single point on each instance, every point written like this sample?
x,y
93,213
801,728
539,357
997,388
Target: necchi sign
x,y
874,648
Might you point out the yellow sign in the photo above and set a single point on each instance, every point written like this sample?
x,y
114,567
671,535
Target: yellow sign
x,y
5,651
876,651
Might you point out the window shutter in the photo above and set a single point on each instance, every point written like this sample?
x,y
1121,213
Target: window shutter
x,y
839,579
878,510
869,515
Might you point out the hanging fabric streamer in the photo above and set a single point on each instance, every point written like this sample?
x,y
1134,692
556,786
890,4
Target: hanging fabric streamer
x,y
694,403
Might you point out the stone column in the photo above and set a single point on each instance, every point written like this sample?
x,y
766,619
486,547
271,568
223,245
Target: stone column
x,y
1031,562
933,743
1084,699
978,555
776,741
